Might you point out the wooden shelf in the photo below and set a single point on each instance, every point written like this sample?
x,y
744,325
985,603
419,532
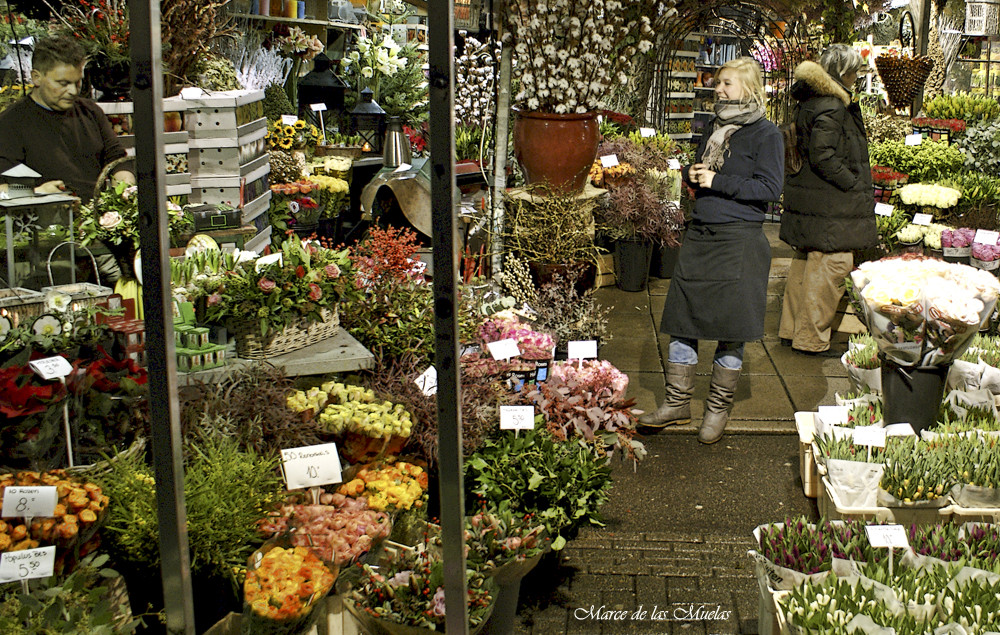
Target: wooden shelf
x,y
679,135
686,74
684,53
680,95
680,115
333,24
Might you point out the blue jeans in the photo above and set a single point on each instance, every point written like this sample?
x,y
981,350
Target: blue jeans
x,y
685,351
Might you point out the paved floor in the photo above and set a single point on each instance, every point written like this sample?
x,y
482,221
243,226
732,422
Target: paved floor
x,y
672,555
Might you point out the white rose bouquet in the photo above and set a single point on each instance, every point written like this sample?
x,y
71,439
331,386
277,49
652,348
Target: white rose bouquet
x,y
569,53
929,195
923,311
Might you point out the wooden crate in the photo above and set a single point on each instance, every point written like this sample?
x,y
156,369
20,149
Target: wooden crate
x,y
605,271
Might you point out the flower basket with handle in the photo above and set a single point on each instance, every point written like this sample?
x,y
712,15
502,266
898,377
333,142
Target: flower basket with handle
x,y
250,344
84,293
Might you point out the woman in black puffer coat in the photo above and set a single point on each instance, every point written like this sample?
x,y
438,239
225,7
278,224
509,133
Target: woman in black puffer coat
x,y
829,206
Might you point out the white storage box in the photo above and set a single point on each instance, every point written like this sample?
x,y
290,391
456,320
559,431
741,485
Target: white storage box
x,y
227,157
260,241
231,190
256,207
221,113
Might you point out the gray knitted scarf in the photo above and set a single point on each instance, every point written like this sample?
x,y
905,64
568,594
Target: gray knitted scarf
x,y
730,117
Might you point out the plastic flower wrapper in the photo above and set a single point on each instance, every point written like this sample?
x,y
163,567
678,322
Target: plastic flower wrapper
x,y
986,253
922,311
407,589
501,542
282,587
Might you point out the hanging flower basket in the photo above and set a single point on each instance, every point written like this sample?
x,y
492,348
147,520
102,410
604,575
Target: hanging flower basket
x,y
903,77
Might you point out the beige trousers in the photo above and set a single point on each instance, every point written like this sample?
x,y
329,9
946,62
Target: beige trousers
x,y
813,290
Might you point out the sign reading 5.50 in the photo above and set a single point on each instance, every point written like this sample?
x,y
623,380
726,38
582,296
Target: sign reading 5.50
x,y
27,564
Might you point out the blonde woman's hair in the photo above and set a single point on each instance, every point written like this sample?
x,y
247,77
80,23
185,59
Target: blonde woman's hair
x,y
748,71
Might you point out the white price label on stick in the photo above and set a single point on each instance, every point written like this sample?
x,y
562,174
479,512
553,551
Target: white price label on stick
x,y
900,430
647,132
51,367
885,536
609,160
673,164
29,502
311,466
914,139
318,107
428,381
24,565
833,415
883,209
922,219
581,349
503,349
986,237
289,120
517,417
869,435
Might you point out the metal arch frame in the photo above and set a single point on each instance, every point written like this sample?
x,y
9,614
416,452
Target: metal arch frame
x,y
746,20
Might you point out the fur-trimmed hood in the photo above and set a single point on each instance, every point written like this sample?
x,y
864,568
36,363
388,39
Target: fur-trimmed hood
x,y
810,80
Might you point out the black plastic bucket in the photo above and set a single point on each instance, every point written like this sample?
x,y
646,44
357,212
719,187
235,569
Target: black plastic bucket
x,y
632,258
912,394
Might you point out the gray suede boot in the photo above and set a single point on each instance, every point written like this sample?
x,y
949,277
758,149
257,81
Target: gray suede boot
x,y
720,400
676,407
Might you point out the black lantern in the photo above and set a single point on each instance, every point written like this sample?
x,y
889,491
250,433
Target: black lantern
x,y
321,85
368,122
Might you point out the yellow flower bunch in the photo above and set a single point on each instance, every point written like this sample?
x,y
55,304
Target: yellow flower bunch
x,y
400,486
330,184
283,136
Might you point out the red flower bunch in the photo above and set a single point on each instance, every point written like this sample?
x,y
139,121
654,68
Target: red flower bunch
x,y
385,255
954,125
22,393
882,175
416,137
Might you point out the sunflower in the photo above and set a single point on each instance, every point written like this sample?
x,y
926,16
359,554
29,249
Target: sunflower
x,y
286,143
288,131
299,125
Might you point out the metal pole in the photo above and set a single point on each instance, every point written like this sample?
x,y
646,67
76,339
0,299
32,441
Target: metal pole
x,y
500,158
441,54
154,238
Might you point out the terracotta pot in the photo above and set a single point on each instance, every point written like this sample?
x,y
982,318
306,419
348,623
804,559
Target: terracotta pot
x,y
556,149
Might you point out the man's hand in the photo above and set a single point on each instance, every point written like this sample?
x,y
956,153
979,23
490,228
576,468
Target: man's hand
x,y
51,187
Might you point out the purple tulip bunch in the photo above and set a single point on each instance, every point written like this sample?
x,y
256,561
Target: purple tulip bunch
x,y
961,237
986,253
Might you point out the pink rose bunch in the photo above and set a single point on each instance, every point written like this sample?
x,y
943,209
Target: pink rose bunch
x,y
532,344
594,375
961,237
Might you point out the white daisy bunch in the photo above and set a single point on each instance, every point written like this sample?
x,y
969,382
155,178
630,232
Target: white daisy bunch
x,y
475,79
569,53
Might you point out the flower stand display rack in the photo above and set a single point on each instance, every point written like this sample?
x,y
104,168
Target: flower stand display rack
x,y
175,139
228,157
852,576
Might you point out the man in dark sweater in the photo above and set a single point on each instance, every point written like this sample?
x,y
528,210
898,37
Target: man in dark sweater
x,y
54,131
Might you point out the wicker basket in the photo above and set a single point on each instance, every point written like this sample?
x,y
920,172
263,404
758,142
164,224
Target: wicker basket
x,y
351,152
84,293
982,18
299,334
20,305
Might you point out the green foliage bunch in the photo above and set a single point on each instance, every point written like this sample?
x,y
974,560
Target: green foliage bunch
x,y
563,483
226,491
929,161
981,146
276,102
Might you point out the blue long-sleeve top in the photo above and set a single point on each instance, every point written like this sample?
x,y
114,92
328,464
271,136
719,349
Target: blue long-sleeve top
x,y
752,174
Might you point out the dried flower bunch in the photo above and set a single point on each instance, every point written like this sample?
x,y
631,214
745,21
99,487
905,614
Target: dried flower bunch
x,y
474,82
569,53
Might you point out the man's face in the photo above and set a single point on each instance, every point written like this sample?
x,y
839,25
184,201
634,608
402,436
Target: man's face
x,y
59,87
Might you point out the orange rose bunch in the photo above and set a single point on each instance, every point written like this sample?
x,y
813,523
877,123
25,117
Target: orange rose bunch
x,y
286,583
400,485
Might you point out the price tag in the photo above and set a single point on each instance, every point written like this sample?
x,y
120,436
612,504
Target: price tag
x,y
647,132
27,564
503,349
51,367
900,430
403,167
885,536
311,466
582,349
869,435
833,415
600,119
318,107
29,502
428,381
914,139
883,209
922,219
289,120
609,160
673,164
986,237
270,259
191,92
517,417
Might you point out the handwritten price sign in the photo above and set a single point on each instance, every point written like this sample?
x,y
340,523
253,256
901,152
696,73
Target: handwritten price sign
x,y
517,417
311,466
29,502
885,536
24,565
51,367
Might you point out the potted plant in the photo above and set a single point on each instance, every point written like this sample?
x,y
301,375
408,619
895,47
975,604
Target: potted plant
x,y
567,63
569,315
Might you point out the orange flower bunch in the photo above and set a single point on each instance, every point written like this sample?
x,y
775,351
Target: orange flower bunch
x,y
286,583
80,506
400,485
